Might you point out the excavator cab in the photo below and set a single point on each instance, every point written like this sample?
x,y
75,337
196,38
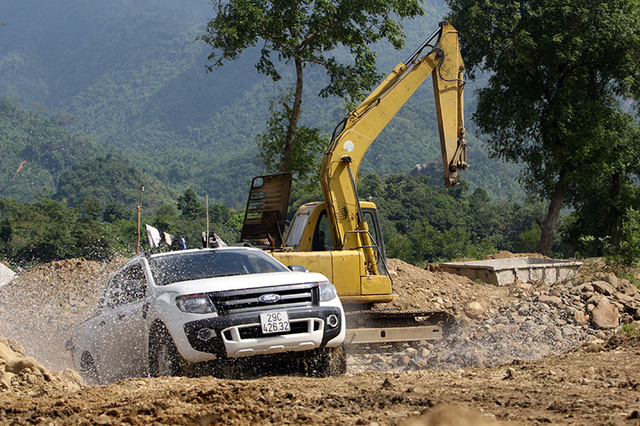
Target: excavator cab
x,y
310,230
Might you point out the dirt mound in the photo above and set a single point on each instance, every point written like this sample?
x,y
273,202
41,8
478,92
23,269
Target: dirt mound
x,y
43,304
501,325
417,288
23,375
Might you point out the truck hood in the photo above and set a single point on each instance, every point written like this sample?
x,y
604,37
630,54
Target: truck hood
x,y
238,282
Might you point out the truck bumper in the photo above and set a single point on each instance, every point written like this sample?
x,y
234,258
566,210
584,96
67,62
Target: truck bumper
x,y
240,335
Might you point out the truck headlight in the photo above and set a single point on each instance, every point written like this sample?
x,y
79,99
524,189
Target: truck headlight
x,y
327,291
195,304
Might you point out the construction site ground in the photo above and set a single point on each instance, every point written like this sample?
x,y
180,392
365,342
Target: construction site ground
x,y
522,354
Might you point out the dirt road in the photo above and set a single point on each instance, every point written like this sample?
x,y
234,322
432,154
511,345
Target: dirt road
x,y
491,372
597,384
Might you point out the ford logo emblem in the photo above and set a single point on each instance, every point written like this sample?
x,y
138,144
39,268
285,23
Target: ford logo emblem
x,y
269,298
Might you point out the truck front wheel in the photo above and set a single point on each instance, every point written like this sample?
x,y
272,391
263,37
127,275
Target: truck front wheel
x,y
164,358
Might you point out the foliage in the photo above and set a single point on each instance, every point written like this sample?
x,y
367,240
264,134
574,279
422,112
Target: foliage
x,y
555,88
306,33
310,32
35,150
190,206
604,193
423,222
629,330
304,154
626,254
109,179
142,93
48,230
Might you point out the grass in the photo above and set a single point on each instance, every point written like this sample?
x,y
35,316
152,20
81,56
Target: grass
x,y
629,330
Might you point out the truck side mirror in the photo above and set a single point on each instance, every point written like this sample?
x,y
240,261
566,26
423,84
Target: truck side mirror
x,y
298,268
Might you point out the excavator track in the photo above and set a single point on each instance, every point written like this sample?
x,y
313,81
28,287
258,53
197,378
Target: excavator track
x,y
366,326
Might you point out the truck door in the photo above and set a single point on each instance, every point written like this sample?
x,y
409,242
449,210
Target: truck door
x,y
122,329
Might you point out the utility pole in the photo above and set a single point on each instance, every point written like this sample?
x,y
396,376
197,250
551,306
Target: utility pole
x,y
206,243
139,214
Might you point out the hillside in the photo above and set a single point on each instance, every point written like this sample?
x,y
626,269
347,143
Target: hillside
x,y
132,77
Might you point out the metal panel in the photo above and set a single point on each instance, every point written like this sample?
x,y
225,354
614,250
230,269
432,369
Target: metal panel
x,y
392,334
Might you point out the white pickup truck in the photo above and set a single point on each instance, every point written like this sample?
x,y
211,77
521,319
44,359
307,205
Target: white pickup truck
x,y
195,310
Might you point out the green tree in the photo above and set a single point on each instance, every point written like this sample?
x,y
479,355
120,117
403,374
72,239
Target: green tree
x,y
559,69
116,211
302,156
304,33
89,208
5,231
190,206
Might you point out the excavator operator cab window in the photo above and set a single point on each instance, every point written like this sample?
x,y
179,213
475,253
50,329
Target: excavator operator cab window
x,y
322,240
371,217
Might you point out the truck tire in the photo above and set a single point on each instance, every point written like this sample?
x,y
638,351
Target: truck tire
x,y
325,362
88,369
164,358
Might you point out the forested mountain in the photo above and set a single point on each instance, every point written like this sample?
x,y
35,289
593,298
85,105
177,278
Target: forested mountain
x,y
130,76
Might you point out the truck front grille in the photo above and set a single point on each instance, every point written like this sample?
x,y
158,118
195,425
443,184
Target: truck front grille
x,y
248,300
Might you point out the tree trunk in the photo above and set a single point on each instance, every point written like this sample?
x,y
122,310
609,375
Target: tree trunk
x,y
550,222
290,138
614,218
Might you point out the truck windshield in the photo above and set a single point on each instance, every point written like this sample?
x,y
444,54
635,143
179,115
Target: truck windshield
x,y
187,266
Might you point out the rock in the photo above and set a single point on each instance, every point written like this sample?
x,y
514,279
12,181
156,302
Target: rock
x,y
629,302
554,292
580,317
524,286
605,315
550,300
510,373
586,288
423,353
403,361
453,415
473,310
604,287
28,363
386,384
5,380
612,279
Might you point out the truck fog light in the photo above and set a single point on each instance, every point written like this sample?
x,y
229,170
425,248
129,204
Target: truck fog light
x,y
332,321
206,334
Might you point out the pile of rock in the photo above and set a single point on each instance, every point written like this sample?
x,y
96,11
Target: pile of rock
x,y
537,320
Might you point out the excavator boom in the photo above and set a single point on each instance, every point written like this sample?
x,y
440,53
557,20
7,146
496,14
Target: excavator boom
x,y
360,128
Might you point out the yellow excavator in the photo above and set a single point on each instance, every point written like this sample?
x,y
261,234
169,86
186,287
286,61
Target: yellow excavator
x,y
341,236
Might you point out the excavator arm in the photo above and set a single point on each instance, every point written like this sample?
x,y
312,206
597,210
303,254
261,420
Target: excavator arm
x,y
359,129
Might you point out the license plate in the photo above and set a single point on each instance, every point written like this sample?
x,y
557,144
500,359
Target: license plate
x,y
275,322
